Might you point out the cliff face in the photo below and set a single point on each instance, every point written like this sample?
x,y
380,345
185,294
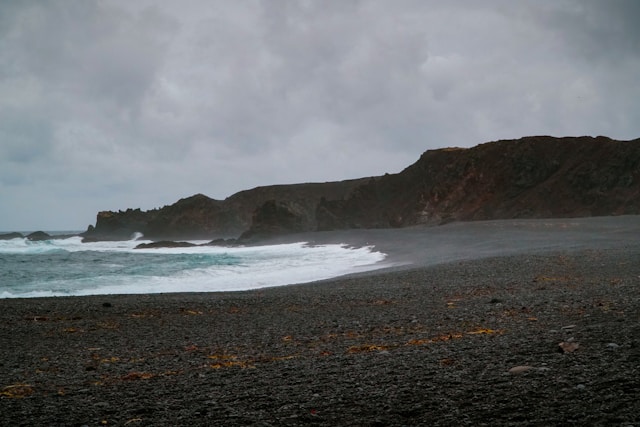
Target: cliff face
x,y
200,217
533,177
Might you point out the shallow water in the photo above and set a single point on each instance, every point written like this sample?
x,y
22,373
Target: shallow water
x,y
69,267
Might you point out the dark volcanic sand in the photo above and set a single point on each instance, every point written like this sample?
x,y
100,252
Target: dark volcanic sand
x,y
423,346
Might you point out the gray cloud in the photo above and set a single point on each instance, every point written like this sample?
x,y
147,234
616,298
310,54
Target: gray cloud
x,y
109,105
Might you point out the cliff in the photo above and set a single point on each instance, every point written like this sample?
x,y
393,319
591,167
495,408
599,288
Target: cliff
x,y
200,217
532,177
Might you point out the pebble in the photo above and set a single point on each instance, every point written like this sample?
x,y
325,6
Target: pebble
x,y
612,346
520,369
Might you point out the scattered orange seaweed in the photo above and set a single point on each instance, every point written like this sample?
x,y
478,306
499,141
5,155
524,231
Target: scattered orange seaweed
x,y
228,361
366,348
16,391
131,376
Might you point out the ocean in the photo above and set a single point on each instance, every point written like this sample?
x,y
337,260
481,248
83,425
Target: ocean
x,y
63,267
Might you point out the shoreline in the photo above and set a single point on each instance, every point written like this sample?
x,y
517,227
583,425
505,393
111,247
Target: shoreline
x,y
424,246
464,342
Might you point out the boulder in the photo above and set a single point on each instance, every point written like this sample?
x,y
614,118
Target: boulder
x,y
9,236
38,236
165,244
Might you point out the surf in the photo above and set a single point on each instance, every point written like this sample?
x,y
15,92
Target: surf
x,y
68,267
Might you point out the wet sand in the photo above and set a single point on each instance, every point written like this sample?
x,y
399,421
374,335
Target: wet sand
x,y
464,329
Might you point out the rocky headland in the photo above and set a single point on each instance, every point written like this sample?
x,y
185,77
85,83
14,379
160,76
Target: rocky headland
x,y
531,177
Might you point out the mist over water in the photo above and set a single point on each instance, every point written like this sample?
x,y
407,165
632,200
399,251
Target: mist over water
x,y
69,267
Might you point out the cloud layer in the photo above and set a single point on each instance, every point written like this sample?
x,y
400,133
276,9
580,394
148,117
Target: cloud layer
x,y
109,105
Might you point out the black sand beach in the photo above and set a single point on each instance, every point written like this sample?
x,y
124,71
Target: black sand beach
x,y
516,323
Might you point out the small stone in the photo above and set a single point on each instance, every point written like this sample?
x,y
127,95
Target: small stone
x,y
612,346
520,369
568,346
580,387
568,327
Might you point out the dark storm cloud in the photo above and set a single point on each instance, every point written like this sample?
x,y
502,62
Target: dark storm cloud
x,y
108,105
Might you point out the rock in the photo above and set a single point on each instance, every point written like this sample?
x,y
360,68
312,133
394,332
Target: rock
x,y
222,242
520,369
165,244
531,177
38,236
276,218
568,346
9,236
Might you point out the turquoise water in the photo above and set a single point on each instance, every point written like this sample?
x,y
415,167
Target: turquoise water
x,y
69,267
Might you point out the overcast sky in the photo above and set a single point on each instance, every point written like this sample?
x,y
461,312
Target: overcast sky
x,y
106,105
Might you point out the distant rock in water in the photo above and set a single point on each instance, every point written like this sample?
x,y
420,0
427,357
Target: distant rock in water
x,y
38,236
165,244
223,242
531,177
9,236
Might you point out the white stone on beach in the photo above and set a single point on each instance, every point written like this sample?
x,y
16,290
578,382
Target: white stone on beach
x,y
520,369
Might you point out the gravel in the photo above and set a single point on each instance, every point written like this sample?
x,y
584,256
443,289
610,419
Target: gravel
x,y
468,342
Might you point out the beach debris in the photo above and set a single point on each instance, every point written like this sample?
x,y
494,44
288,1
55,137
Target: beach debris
x,y
448,362
366,348
228,361
483,331
131,376
520,369
37,318
16,391
568,327
568,346
445,337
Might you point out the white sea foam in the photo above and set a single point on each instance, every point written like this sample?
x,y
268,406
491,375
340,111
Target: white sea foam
x,y
247,268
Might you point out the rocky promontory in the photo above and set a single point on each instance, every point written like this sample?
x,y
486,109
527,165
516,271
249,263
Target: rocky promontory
x,y
531,177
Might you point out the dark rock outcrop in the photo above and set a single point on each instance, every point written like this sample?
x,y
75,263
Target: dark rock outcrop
x,y
165,244
200,217
38,236
275,218
9,236
532,177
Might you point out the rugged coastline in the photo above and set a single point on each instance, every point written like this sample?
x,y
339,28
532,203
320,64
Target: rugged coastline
x,y
527,178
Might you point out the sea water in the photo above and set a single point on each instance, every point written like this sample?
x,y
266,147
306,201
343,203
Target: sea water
x,y
60,267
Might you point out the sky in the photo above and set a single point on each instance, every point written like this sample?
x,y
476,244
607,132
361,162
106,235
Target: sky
x,y
108,105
